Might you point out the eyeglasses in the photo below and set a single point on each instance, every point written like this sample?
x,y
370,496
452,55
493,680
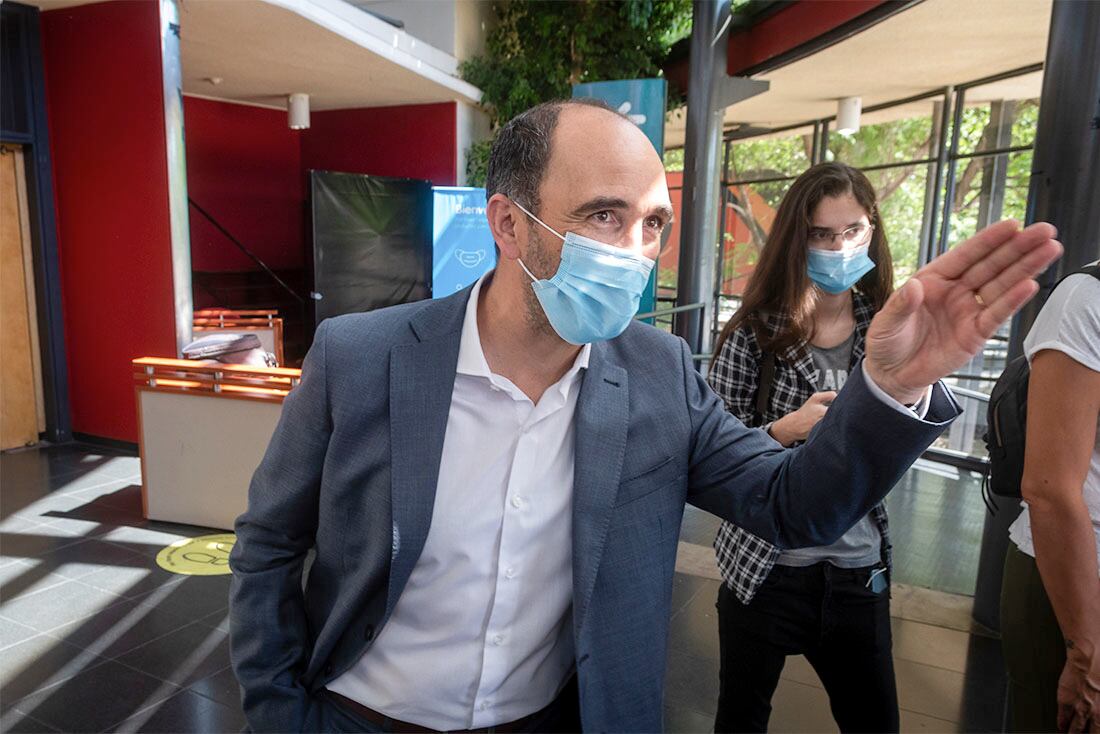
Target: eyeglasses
x,y
857,234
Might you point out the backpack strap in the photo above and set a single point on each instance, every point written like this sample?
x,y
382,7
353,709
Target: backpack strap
x,y
764,388
1093,270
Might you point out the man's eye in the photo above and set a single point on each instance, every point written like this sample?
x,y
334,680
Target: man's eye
x,y
655,223
602,217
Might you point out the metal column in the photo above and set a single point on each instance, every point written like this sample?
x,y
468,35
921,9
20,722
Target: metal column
x,y
1065,176
1065,171
995,170
709,93
937,149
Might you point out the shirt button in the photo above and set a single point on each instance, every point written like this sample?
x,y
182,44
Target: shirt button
x,y
484,705
517,502
498,639
509,573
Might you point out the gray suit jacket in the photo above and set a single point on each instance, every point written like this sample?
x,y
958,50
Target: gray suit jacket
x,y
352,469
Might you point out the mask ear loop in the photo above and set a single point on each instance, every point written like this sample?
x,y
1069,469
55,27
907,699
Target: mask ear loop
x,y
533,278
544,224
548,229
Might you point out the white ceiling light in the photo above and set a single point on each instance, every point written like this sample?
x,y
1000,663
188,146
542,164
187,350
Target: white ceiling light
x,y
297,111
847,115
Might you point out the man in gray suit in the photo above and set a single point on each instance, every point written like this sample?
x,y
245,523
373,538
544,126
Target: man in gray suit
x,y
493,483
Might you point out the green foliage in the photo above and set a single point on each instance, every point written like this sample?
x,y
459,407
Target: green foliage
x,y
975,134
758,158
666,278
538,50
477,162
674,160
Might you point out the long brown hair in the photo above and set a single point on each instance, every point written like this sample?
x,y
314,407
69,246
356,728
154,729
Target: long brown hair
x,y
780,284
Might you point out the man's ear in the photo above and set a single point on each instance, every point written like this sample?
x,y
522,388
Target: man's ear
x,y
504,223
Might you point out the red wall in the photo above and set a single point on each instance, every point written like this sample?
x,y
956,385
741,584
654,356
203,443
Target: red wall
x,y
412,141
244,168
106,117
250,171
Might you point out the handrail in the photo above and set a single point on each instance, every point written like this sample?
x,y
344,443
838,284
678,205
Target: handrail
x,y
667,311
246,251
957,460
968,393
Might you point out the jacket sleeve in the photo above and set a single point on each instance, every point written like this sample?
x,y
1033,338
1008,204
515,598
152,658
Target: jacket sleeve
x,y
269,636
809,495
735,376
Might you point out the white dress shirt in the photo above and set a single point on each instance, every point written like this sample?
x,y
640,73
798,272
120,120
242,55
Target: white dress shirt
x,y
482,633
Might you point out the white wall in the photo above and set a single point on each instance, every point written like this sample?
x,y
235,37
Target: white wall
x,y
432,21
472,22
456,27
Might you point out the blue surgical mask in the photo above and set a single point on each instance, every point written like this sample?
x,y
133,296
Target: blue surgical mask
x,y
837,271
595,292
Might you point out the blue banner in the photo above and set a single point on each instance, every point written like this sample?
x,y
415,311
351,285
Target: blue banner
x,y
462,245
643,101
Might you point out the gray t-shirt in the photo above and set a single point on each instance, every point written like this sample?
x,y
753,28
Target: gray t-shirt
x,y
861,545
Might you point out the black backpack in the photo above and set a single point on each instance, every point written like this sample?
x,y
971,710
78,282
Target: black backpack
x,y
1007,421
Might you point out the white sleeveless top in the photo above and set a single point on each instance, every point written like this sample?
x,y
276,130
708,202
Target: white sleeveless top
x,y
1069,322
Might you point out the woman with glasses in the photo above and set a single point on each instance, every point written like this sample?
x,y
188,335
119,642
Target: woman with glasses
x,y
779,363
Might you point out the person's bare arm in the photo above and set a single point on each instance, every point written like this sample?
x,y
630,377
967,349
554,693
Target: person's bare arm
x,y
1063,404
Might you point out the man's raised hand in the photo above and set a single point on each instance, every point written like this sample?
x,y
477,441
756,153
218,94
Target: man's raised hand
x,y
945,313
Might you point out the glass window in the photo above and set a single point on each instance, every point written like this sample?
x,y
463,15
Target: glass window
x,y
902,192
988,189
749,208
1001,114
668,262
896,134
785,154
748,215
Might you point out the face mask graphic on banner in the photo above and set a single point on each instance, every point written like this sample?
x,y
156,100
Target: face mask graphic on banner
x,y
836,272
595,292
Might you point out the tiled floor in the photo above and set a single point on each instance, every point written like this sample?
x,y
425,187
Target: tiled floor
x,y
94,636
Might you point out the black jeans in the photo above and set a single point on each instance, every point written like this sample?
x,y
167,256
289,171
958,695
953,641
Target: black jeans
x,y
831,616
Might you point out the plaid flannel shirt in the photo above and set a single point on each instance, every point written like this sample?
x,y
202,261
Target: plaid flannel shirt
x,y
744,559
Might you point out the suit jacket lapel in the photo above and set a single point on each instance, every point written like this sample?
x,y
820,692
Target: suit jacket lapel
x,y
602,416
422,376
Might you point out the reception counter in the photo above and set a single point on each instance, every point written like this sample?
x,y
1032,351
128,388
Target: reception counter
x,y
202,431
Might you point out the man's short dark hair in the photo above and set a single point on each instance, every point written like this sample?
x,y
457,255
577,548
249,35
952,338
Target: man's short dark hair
x,y
521,151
